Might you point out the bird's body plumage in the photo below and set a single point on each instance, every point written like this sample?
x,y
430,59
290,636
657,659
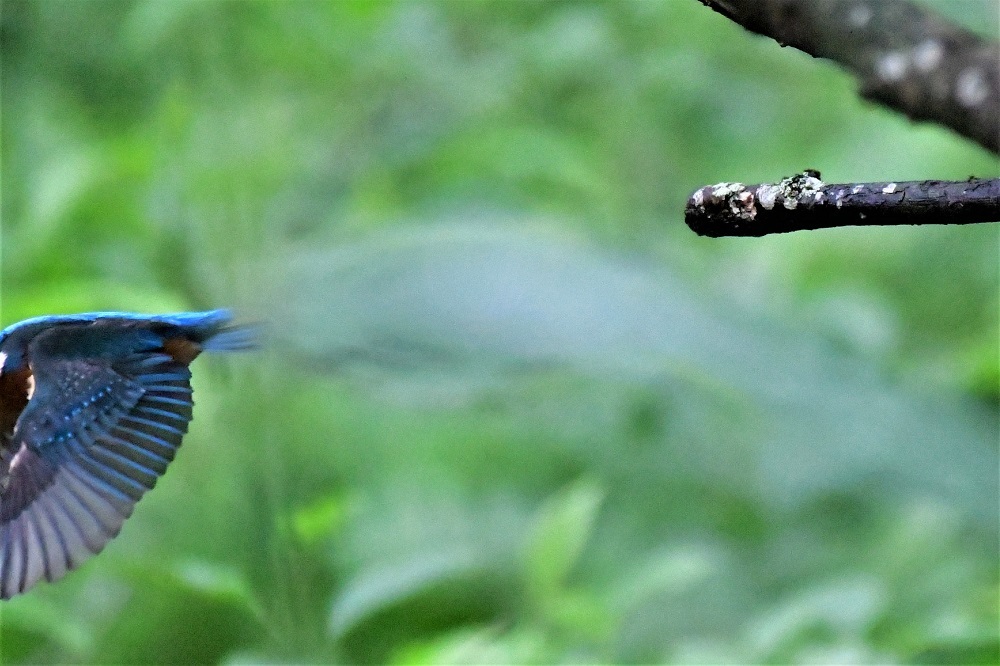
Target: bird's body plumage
x,y
92,410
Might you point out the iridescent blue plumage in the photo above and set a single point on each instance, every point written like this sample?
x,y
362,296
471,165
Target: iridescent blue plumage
x,y
92,410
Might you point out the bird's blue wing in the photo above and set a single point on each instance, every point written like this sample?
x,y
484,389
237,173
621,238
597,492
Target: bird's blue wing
x,y
97,433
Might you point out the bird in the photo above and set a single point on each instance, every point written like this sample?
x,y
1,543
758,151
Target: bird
x,y
93,408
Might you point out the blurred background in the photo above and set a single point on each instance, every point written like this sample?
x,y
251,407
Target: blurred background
x,y
510,410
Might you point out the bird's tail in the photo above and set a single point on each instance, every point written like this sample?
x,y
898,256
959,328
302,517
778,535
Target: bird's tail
x,y
213,330
233,338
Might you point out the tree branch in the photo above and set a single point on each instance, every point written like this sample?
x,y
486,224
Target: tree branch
x,y
804,202
905,57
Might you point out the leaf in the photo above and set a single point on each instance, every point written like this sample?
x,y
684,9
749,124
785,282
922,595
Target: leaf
x,y
218,582
562,528
424,562
475,646
318,520
846,609
443,315
379,589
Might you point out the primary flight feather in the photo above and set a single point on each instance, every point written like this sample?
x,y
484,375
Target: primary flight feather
x,y
92,410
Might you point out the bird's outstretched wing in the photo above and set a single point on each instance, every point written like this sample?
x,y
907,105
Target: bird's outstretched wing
x,y
104,419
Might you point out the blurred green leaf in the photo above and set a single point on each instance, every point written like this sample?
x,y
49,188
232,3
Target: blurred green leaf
x,y
319,519
391,604
426,314
219,582
475,646
840,611
561,530
212,617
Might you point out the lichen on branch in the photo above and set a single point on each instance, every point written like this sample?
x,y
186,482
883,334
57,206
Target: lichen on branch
x,y
804,201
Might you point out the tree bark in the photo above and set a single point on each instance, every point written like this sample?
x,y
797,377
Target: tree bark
x,y
905,56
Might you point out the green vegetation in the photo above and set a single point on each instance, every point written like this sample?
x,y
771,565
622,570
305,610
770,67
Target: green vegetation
x,y
511,410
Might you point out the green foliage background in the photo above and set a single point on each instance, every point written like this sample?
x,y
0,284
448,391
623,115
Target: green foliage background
x,y
510,409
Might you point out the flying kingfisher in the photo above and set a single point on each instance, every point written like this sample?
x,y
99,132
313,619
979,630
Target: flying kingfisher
x,y
92,410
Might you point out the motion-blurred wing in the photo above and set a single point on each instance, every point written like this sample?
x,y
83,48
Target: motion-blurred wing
x,y
95,435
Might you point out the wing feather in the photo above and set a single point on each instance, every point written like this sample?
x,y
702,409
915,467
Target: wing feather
x,y
78,471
